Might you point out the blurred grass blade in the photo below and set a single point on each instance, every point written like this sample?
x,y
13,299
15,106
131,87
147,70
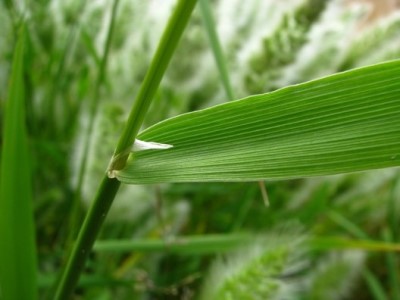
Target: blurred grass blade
x,y
346,224
193,245
374,285
216,47
329,243
392,267
17,242
341,123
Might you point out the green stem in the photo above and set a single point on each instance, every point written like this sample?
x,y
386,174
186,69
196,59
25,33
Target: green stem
x,y
392,217
162,57
374,285
346,224
87,235
216,47
392,267
93,108
109,186
370,279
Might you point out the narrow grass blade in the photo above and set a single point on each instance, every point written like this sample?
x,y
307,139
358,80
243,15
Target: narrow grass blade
x,y
93,107
329,243
370,278
193,245
216,47
392,264
348,225
374,285
17,241
346,122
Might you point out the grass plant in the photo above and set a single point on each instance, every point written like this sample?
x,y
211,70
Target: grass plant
x,y
301,93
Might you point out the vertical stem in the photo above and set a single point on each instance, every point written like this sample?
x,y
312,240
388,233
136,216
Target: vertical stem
x,y
162,57
93,107
109,186
216,47
392,267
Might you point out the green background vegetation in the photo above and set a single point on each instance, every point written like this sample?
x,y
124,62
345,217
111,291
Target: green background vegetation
x,y
70,71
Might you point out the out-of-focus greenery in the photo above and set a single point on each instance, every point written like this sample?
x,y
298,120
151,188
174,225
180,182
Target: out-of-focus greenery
x,y
254,251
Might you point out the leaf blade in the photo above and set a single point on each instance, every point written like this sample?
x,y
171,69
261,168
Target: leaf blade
x,y
17,239
342,123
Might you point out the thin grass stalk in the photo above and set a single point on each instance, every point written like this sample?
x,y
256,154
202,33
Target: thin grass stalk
x,y
109,186
329,243
162,57
392,268
88,42
374,285
393,219
205,244
346,224
391,235
216,47
370,279
93,108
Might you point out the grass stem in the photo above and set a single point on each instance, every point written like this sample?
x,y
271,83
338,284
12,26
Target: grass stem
x,y
216,47
94,103
161,59
109,186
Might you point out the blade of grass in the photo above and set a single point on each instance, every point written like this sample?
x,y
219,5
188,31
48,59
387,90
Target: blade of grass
x,y
216,47
93,108
193,245
17,234
371,280
347,225
342,123
109,186
374,285
329,243
390,234
393,219
88,42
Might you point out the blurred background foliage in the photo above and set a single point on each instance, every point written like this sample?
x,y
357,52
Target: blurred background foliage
x,y
278,252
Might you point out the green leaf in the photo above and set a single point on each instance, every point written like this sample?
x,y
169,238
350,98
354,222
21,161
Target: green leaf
x,y
346,122
17,242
